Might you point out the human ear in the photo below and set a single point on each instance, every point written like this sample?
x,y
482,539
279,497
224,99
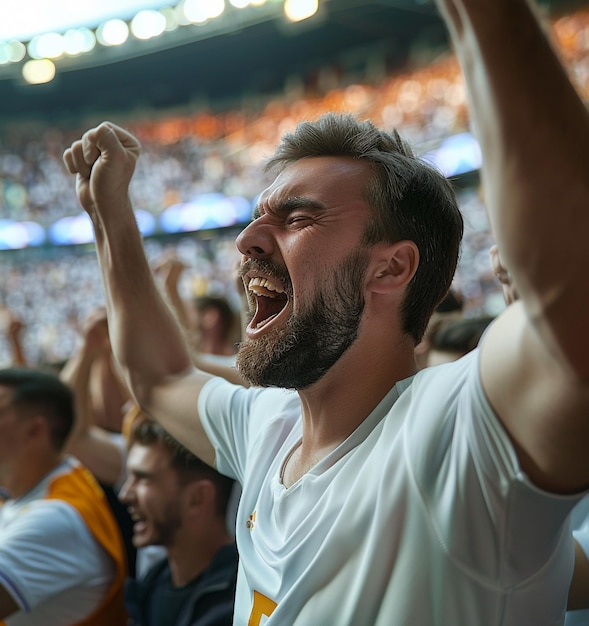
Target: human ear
x,y
200,493
395,266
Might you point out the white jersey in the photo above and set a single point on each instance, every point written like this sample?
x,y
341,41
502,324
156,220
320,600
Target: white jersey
x,y
49,561
421,517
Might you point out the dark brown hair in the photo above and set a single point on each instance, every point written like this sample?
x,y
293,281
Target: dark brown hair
x,y
147,432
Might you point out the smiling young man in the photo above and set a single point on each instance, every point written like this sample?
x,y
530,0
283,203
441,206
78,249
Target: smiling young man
x,y
180,503
374,496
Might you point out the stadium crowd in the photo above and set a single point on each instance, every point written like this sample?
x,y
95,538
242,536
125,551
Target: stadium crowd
x,y
51,314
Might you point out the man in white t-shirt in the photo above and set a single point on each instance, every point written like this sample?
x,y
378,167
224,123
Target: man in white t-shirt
x,y
374,496
62,560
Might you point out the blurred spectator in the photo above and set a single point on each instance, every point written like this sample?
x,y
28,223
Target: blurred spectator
x,y
217,328
202,152
454,339
212,326
61,554
180,503
92,369
449,310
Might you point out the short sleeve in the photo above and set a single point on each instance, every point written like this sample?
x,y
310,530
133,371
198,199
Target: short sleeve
x,y
233,418
46,549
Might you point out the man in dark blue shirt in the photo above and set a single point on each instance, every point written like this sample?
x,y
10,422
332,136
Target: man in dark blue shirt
x,y
178,502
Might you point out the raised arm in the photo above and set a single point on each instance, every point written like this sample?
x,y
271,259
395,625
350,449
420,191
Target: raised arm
x,y
534,134
93,445
145,336
170,268
13,328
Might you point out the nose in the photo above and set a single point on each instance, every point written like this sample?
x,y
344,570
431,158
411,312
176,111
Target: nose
x,y
125,495
255,240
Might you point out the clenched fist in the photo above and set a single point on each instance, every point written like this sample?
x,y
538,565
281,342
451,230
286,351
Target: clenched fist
x,y
104,161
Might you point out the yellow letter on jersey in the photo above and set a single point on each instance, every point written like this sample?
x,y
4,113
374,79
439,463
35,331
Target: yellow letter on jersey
x,y
262,606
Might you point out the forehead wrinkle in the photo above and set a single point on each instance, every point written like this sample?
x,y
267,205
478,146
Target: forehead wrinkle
x,y
292,203
288,204
323,174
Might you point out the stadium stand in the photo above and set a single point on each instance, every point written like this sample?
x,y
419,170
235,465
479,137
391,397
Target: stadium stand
x,y
203,152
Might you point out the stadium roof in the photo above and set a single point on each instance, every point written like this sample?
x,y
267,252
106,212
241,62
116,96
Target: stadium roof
x,y
225,66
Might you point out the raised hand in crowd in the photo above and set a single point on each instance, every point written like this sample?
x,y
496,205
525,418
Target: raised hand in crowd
x,y
96,437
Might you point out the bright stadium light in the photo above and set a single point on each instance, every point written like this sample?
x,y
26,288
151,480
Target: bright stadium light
x,y
239,4
195,11
78,41
298,10
32,48
112,33
171,17
50,46
148,24
38,71
12,52
215,8
199,11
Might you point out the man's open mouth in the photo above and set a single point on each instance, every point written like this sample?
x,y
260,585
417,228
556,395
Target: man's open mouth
x,y
270,299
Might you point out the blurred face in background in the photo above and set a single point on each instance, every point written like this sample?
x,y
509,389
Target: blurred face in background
x,y
153,495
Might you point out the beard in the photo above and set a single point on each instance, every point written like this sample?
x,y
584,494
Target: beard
x,y
162,530
301,353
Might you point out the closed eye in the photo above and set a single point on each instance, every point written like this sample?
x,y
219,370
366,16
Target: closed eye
x,y
298,220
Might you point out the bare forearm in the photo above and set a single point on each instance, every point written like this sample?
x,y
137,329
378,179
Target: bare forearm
x,y
177,305
230,374
16,348
534,133
145,337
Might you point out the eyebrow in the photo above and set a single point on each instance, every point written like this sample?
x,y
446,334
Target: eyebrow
x,y
138,473
292,203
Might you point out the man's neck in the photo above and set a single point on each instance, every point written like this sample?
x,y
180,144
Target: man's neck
x,y
340,401
336,405
26,474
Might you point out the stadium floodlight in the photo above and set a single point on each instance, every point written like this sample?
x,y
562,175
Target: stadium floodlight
x,y
257,3
194,11
47,45
171,17
148,24
78,40
38,71
298,10
239,4
12,52
199,11
215,8
50,46
112,32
